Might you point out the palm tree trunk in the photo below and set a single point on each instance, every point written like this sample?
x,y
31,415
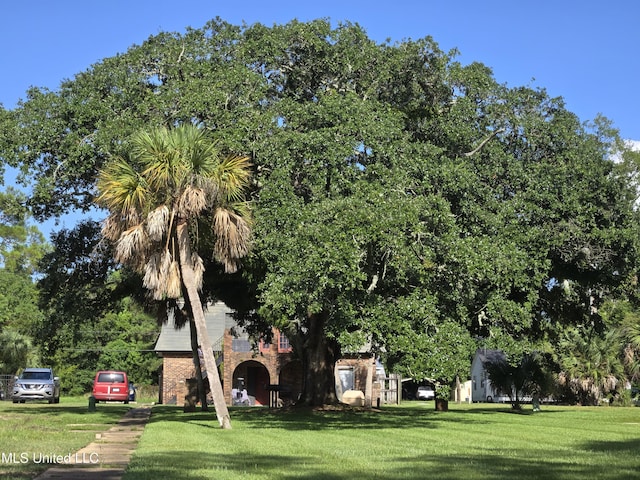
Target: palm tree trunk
x,y
196,362
188,278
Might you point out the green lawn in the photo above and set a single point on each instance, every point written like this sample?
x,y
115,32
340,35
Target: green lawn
x,y
34,428
410,441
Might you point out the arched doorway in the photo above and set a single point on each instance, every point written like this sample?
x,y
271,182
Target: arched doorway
x,y
254,377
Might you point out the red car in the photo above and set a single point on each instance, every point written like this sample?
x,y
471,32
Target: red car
x,y
111,385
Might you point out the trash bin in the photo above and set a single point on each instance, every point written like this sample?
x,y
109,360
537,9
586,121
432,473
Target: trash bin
x,y
92,403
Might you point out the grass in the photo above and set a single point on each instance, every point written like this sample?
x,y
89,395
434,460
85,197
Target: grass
x,y
411,441
34,428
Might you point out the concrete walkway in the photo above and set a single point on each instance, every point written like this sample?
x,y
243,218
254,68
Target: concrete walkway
x,y
108,456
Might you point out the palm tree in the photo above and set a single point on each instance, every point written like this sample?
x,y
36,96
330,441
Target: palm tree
x,y
527,377
591,365
630,331
173,182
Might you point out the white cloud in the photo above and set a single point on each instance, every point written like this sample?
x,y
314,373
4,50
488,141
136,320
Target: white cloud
x,y
633,145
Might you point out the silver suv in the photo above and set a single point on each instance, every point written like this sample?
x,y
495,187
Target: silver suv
x,y
36,384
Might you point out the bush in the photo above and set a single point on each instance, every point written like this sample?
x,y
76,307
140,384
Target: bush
x,y
623,399
147,393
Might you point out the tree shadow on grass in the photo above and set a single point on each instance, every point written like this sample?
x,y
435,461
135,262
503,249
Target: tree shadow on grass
x,y
46,409
506,409
310,420
182,466
500,465
617,447
488,464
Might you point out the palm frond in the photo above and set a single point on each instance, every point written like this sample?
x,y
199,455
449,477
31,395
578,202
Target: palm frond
x,y
133,242
161,162
156,272
173,173
199,153
121,189
157,223
209,187
233,175
192,202
174,281
198,269
232,238
112,227
631,329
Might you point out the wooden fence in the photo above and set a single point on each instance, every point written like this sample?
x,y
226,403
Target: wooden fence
x,y
390,389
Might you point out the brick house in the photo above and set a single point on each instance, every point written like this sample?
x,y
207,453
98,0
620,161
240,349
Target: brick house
x,y
174,346
270,374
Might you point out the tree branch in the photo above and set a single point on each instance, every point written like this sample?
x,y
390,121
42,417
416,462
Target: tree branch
x,y
483,143
374,282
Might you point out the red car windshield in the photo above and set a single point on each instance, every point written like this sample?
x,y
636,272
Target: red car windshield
x,y
111,378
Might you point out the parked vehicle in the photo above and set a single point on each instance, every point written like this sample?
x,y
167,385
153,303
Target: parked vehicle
x,y
111,386
425,393
36,384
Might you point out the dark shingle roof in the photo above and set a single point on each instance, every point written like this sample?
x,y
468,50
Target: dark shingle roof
x,y
217,317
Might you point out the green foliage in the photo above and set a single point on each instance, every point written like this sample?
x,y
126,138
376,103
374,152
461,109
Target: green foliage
x,y
591,365
427,347
131,349
21,243
94,315
18,302
21,247
16,352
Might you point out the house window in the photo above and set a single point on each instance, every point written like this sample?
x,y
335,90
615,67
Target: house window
x,y
346,378
265,346
283,343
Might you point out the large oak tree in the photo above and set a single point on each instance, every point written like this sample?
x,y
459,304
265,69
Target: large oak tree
x,y
401,199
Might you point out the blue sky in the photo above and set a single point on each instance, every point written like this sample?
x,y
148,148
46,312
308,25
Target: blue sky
x,y
583,50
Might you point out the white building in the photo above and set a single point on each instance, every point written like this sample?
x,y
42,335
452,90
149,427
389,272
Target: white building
x,y
481,388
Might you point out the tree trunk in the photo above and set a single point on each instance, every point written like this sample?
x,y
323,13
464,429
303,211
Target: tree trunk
x,y
188,278
516,404
441,405
319,355
196,361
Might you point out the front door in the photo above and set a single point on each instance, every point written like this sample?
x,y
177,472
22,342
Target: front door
x,y
257,383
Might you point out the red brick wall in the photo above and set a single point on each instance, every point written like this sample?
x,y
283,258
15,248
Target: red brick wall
x,y
269,358
176,368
